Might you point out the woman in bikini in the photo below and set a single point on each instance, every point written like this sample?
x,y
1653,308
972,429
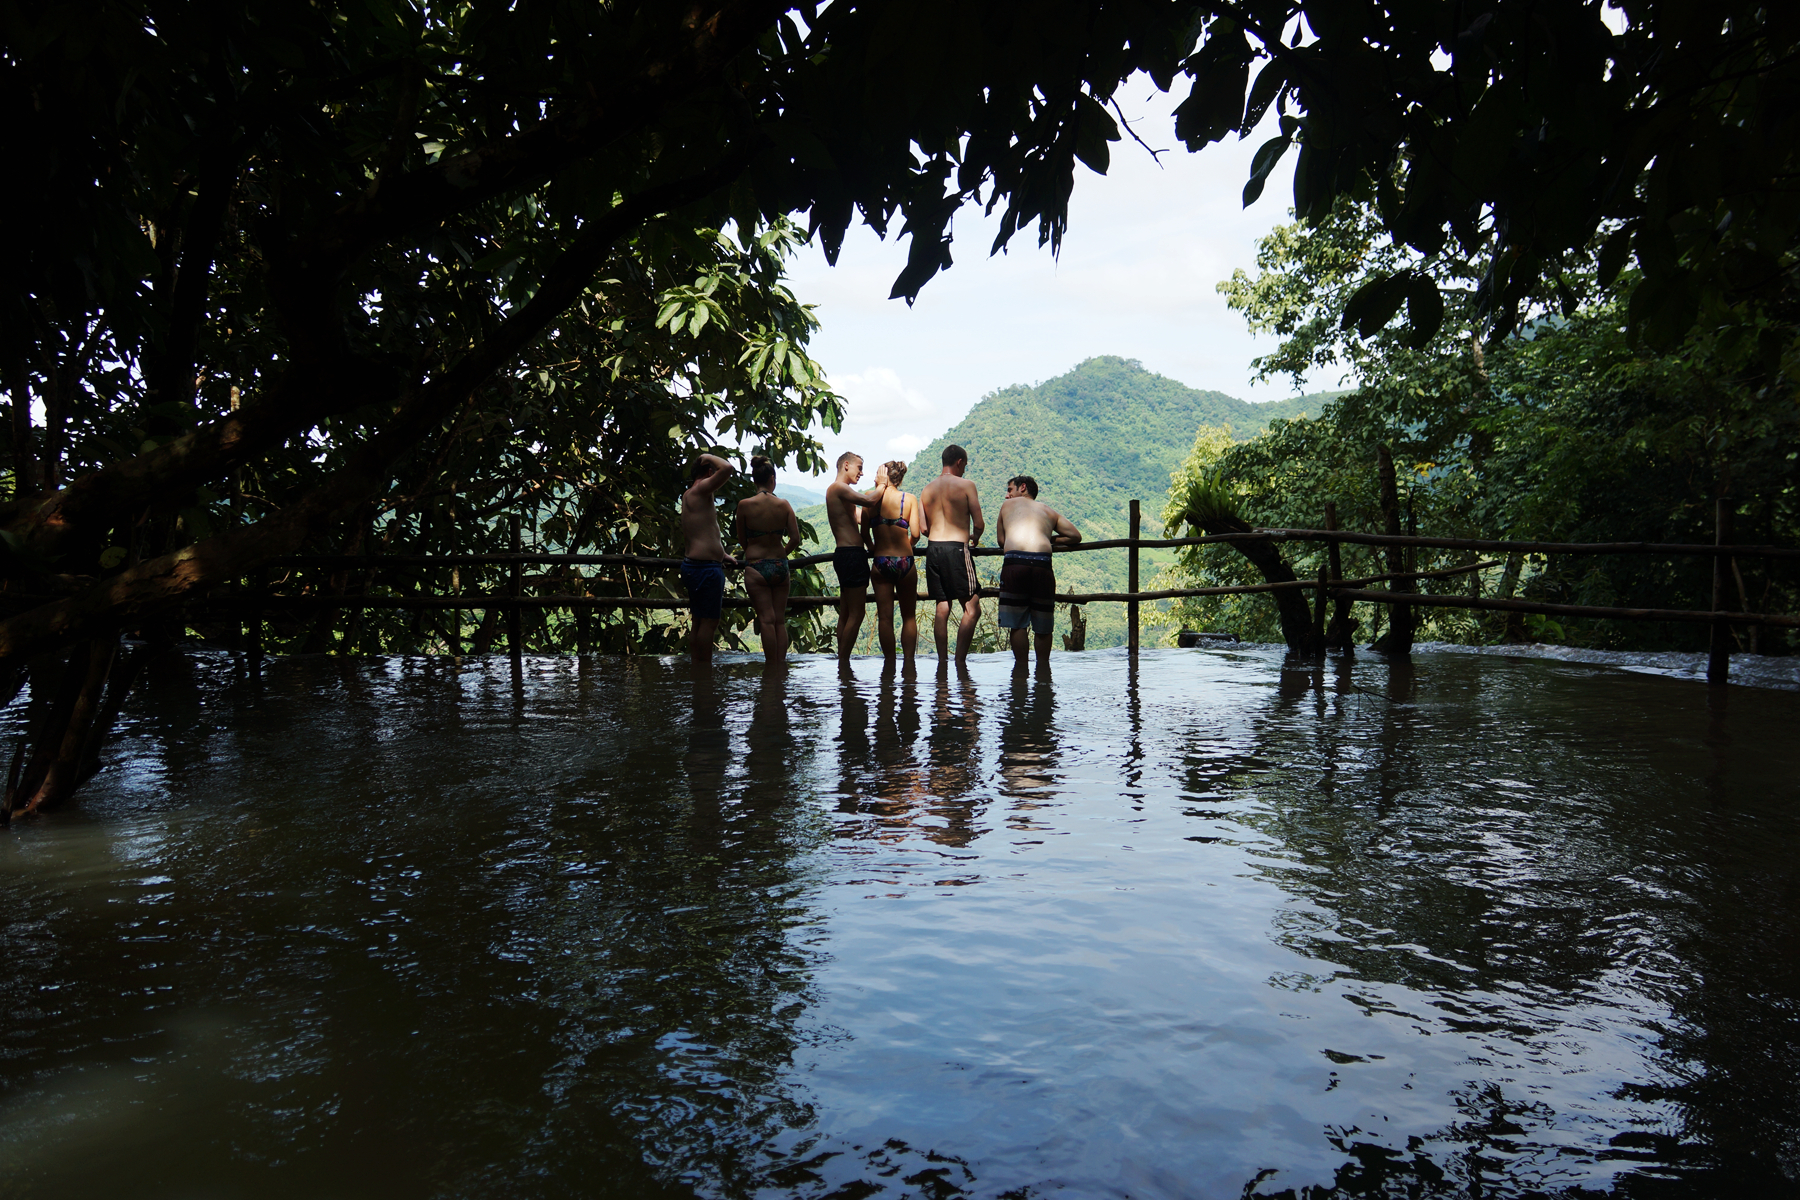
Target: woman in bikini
x,y
895,523
769,531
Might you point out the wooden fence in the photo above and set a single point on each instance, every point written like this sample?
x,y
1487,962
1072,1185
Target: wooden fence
x,y
251,604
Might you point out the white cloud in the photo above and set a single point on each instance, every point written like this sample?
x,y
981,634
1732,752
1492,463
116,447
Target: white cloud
x,y
906,445
877,397
1146,247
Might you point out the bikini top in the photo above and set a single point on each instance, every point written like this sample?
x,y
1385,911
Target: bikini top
x,y
900,520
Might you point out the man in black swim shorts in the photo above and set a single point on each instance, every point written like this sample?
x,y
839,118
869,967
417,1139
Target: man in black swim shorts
x,y
953,515
851,557
1026,530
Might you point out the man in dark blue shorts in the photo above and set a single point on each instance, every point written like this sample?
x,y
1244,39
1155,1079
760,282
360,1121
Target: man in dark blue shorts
x,y
703,563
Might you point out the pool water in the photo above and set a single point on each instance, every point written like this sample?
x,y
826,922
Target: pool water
x,y
1207,926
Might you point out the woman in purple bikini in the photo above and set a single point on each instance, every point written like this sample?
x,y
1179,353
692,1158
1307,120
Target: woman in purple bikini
x,y
767,527
895,523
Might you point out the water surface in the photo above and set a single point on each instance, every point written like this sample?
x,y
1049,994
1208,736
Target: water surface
x,y
1206,927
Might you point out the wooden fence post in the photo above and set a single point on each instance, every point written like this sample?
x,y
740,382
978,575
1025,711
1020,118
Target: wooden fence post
x,y
1340,634
253,619
515,616
1718,663
1132,605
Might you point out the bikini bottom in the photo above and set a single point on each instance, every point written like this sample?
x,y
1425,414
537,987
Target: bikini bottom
x,y
773,570
893,567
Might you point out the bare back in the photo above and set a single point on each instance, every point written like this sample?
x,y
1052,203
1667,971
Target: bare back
x,y
1028,526
952,509
700,523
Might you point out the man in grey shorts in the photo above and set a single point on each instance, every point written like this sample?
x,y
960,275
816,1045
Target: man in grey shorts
x,y
953,515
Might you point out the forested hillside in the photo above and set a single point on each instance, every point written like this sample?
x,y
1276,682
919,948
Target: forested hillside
x,y
1094,439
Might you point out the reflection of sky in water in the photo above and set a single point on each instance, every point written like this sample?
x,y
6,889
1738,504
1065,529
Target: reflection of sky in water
x,y
1178,931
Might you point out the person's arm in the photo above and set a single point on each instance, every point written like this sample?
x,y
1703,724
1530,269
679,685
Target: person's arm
x,y
865,520
977,523
870,498
709,487
793,528
1062,529
918,521
999,528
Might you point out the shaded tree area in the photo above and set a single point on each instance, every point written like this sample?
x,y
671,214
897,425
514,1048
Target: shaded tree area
x,y
305,276
1568,429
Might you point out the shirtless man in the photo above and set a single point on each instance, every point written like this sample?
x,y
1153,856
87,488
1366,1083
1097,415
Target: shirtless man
x,y
953,514
703,562
851,558
1025,530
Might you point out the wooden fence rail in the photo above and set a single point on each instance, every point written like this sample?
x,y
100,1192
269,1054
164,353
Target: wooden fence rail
x,y
256,600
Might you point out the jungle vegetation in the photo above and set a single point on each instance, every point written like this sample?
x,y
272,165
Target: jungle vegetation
x,y
298,275
1569,428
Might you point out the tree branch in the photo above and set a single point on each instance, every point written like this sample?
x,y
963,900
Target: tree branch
x,y
166,581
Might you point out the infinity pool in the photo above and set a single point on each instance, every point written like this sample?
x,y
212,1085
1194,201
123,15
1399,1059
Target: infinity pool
x,y
1203,927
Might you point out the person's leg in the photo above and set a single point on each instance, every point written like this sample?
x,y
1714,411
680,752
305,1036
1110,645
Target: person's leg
x,y
1017,640
779,601
909,614
1043,648
965,633
700,639
884,615
850,619
940,630
764,604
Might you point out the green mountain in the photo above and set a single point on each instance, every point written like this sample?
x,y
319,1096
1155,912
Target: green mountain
x,y
1094,439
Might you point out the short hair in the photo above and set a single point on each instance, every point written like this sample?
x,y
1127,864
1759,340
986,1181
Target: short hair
x,y
896,471
702,468
1026,482
848,456
954,454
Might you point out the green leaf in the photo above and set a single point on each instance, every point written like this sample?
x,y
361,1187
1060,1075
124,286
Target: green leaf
x,y
1267,155
1613,254
1424,310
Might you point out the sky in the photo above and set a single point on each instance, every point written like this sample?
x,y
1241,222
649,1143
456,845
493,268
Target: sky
x,y
1146,246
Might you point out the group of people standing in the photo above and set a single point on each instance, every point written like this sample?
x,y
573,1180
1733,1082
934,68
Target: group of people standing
x,y
876,535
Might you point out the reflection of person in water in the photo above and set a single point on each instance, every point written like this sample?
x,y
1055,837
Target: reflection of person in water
x,y
1028,744
708,761
953,762
769,768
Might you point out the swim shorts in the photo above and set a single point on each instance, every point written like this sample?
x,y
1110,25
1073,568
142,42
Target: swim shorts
x,y
893,567
1027,592
705,581
852,566
950,571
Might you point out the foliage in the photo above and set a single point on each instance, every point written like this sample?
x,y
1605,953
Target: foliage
x,y
1517,136
1571,430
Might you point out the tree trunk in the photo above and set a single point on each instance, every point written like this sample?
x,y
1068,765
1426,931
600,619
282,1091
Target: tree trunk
x,y
24,461
1290,603
1397,641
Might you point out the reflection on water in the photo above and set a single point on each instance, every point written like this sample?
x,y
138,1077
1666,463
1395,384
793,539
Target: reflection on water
x,y
1204,924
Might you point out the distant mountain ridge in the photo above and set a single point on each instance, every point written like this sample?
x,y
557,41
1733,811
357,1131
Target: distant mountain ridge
x,y
1093,438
